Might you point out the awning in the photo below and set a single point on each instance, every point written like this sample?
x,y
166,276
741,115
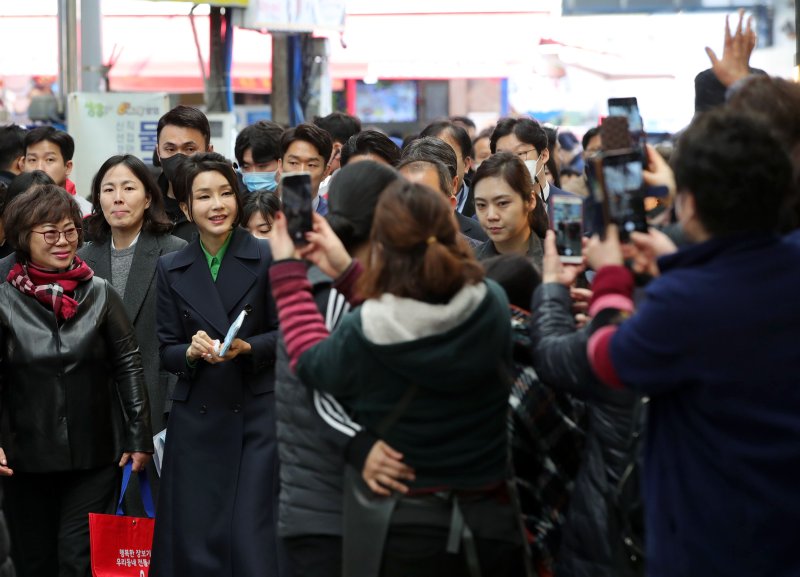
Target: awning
x,y
159,52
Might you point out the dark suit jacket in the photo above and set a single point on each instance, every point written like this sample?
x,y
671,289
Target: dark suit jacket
x,y
469,205
555,191
140,304
471,228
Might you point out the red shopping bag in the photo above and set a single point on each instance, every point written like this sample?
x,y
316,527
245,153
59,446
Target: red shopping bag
x,y
120,545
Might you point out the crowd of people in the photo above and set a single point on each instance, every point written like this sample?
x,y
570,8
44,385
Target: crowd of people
x,y
422,386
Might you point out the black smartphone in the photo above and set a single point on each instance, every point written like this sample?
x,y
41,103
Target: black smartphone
x,y
629,108
566,219
620,175
296,203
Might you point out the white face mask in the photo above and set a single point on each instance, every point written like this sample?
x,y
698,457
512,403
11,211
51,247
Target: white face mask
x,y
531,165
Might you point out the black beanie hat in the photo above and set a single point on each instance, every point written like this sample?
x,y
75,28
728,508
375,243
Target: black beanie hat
x,y
709,92
352,197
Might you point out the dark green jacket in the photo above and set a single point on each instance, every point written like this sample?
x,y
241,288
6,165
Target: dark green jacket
x,y
454,430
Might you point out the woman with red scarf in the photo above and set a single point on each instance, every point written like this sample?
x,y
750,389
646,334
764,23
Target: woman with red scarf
x,y
68,360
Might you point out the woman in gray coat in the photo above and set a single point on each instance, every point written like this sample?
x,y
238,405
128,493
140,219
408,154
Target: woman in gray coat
x,y
130,231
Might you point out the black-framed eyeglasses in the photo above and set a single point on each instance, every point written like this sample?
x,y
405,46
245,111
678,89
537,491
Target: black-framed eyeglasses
x,y
52,237
523,154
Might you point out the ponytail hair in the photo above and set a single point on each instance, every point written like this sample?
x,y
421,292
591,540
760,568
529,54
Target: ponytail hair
x,y
416,250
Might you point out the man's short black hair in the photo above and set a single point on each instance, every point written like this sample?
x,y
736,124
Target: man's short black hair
x,y
737,171
591,133
264,138
314,135
527,130
430,148
339,125
370,142
186,117
58,137
456,132
12,145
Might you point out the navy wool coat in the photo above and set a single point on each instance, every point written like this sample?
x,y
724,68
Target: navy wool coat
x,y
217,506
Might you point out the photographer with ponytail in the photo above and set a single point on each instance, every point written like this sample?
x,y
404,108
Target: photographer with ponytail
x,y
425,304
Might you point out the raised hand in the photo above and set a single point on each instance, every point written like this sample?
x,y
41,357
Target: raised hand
x,y
735,62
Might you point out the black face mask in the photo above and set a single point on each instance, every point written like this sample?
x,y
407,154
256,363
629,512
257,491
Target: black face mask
x,y
170,165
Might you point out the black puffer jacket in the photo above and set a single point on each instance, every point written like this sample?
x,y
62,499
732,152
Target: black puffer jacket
x,y
604,509
313,433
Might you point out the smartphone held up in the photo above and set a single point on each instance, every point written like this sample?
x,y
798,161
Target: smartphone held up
x,y
616,175
566,219
296,203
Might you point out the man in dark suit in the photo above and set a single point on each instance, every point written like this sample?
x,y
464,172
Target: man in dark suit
x,y
458,139
433,150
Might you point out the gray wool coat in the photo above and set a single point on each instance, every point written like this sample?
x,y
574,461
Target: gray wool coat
x,y
140,304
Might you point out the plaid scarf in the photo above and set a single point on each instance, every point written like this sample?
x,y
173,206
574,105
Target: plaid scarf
x,y
54,289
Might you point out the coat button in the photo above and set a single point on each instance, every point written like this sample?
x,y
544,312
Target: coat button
x,y
248,309
236,408
203,409
186,315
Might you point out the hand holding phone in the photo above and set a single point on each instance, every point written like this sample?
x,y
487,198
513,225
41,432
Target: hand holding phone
x,y
222,349
297,205
620,176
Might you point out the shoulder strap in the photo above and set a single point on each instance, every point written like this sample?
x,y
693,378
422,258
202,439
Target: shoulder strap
x,y
399,409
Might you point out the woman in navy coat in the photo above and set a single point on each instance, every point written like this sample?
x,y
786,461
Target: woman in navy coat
x,y
218,501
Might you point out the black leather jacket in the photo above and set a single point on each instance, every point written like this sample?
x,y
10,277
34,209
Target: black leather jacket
x,y
62,382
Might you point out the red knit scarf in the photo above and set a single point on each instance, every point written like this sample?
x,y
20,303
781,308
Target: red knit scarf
x,y
54,289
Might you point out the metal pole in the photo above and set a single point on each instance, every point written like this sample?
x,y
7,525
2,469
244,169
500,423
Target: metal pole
x,y
797,41
67,49
279,99
91,36
219,97
320,102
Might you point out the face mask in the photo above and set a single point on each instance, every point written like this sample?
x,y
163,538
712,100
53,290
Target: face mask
x,y
260,180
170,165
531,166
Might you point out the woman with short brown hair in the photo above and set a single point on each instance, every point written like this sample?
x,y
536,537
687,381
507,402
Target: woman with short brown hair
x,y
425,363
69,358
